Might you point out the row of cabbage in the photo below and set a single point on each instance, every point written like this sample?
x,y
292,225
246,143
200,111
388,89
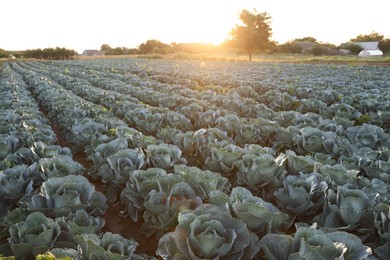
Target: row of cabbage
x,y
45,203
366,88
49,95
287,169
320,134
354,144
370,105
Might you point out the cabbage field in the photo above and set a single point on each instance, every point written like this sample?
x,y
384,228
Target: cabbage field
x,y
162,159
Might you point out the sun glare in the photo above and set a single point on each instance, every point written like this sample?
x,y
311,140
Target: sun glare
x,y
203,23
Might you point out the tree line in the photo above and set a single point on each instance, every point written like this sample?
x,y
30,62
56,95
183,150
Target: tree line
x,y
253,35
50,53
46,54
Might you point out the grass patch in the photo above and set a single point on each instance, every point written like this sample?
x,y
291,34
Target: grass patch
x,y
385,60
291,58
282,58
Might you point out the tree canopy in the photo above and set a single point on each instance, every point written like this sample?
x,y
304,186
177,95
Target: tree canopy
x,y
373,36
3,54
50,53
255,32
118,50
155,47
306,39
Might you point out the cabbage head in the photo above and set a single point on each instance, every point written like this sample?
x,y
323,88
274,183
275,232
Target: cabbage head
x,y
310,243
302,194
223,159
76,224
119,166
382,225
203,182
108,246
145,120
102,151
85,132
13,185
208,232
56,166
299,163
257,172
338,174
382,221
162,207
33,236
164,156
177,120
348,209
61,196
260,216
247,134
228,123
141,183
312,140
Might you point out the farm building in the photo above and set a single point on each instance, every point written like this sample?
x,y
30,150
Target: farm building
x,y
370,53
93,53
370,49
368,45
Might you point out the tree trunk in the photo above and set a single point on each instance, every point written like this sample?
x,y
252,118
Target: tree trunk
x,y
250,56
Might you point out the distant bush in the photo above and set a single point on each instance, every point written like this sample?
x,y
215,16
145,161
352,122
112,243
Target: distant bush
x,y
353,48
155,47
3,54
384,45
290,47
118,50
50,54
317,50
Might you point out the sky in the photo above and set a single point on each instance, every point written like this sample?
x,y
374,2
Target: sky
x,y
87,24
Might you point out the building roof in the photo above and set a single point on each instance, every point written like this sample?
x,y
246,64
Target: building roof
x,y
90,52
368,45
370,53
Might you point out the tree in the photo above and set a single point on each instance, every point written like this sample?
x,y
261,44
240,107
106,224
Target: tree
x,y
317,50
254,34
290,47
373,36
353,48
384,45
306,39
105,47
154,47
50,53
3,54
